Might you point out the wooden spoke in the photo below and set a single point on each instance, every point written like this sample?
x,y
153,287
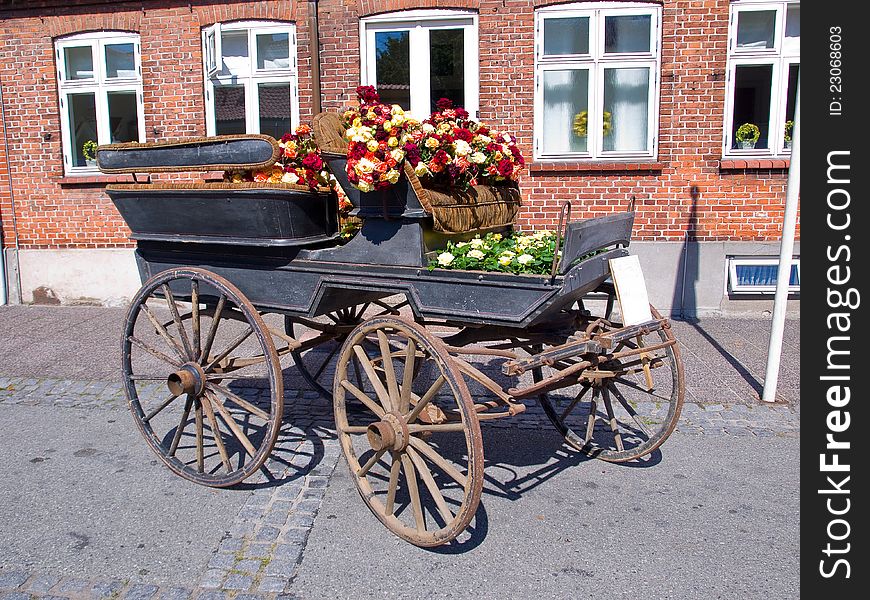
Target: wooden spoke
x,y
216,433
364,360
395,467
173,447
430,453
162,331
413,492
614,426
194,317
326,362
645,360
630,410
389,369
574,402
157,410
435,427
371,462
215,321
236,399
593,413
427,397
200,459
153,351
233,345
231,423
436,494
173,308
408,377
359,395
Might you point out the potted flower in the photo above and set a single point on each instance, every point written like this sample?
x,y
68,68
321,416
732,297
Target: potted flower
x,y
789,126
89,151
747,135
581,120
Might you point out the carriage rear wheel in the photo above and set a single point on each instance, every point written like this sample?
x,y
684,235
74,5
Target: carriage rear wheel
x,y
202,376
411,435
624,409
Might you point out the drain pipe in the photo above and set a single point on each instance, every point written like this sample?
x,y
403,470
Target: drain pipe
x,y
5,292
314,27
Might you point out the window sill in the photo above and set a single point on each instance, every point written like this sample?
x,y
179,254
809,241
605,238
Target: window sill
x,y
547,166
100,179
739,164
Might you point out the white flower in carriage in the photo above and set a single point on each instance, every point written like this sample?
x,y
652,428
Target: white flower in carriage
x,y
398,155
290,178
478,158
477,242
364,166
445,258
392,176
477,254
462,148
504,260
421,169
359,134
428,128
525,259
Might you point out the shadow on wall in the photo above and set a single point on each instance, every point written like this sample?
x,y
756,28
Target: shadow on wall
x,y
685,301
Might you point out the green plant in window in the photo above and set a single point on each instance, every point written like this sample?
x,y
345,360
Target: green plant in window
x,y
89,150
789,126
748,132
581,124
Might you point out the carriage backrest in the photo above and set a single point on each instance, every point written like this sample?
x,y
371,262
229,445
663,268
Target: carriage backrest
x,y
588,236
223,152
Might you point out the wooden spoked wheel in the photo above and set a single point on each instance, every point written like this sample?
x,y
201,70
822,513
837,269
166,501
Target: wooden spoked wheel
x,y
623,409
315,363
202,376
411,435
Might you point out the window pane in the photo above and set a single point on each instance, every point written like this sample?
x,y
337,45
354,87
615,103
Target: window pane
x,y
274,109
755,28
234,52
120,60
630,33
123,117
82,124
273,51
790,101
565,120
79,61
393,67
793,28
568,35
229,109
764,275
447,66
626,109
752,84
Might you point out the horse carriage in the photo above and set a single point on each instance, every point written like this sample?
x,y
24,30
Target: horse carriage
x,y
238,276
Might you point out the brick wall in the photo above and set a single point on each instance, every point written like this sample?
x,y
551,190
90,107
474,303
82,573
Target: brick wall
x,y
689,189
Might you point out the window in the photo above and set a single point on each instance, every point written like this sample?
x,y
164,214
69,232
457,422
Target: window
x,y
250,78
758,275
414,58
763,68
596,80
100,88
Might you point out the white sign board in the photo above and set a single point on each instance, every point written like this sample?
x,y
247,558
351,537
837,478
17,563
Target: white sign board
x,y
630,290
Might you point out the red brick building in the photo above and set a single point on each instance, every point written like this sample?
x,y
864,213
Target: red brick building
x,y
610,101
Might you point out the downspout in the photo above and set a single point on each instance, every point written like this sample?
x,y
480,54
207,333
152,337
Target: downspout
x,y
15,291
316,100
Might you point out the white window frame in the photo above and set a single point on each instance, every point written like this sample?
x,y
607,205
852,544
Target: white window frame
x,y
736,288
418,23
596,61
252,77
100,84
780,57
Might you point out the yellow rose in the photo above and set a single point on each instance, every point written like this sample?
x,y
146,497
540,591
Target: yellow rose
x,y
392,176
392,142
372,145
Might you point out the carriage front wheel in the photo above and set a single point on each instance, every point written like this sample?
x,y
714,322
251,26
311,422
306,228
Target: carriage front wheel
x,y
202,376
408,430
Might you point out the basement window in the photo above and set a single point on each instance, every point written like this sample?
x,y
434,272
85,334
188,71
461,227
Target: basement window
x,y
758,275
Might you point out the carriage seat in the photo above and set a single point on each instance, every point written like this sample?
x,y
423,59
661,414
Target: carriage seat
x,y
480,208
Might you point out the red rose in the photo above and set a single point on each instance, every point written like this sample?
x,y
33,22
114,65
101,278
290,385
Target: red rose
x,y
368,94
505,168
313,162
461,113
444,103
463,134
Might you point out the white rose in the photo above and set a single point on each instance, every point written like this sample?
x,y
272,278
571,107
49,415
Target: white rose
x,y
290,178
525,259
478,158
398,155
428,128
476,242
462,147
475,254
445,258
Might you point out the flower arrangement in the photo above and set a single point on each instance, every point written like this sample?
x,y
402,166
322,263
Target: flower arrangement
x,y
581,122
747,134
378,136
89,151
530,253
299,163
789,127
452,150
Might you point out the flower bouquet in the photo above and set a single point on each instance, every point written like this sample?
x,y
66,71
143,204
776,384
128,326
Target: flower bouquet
x,y
530,253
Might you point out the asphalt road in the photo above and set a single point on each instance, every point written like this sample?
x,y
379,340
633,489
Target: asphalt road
x,y
716,517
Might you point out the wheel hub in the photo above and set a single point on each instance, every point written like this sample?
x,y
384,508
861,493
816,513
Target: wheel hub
x,y
189,379
390,432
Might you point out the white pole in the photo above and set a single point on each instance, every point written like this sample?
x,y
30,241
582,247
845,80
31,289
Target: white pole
x,y
786,249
